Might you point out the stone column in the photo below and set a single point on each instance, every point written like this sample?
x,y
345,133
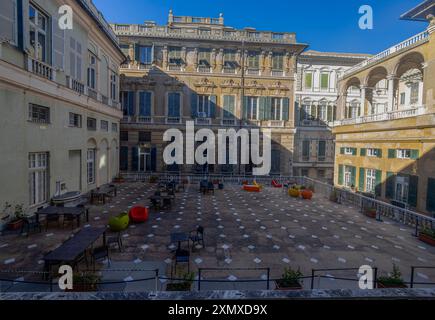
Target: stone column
x,y
220,60
262,61
165,57
213,59
363,100
195,59
269,63
391,82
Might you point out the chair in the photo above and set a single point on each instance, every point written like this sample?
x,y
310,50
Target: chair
x,y
68,218
100,253
52,218
119,223
197,237
210,186
116,239
138,214
30,223
181,256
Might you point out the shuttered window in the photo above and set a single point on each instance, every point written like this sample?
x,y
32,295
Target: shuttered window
x,y
58,45
75,59
8,21
229,106
308,83
277,61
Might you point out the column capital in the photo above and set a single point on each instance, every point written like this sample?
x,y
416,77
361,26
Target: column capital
x,y
392,76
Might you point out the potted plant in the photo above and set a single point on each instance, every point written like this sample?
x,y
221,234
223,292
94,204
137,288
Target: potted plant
x,y
394,280
119,179
306,194
370,212
293,192
184,285
427,235
17,222
289,280
85,282
153,179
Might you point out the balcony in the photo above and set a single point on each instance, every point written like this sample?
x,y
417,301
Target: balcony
x,y
417,39
228,122
40,68
277,73
203,121
92,94
75,85
144,119
175,67
392,115
276,123
173,120
253,72
312,123
204,69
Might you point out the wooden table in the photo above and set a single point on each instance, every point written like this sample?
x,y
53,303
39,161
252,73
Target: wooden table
x,y
104,192
54,210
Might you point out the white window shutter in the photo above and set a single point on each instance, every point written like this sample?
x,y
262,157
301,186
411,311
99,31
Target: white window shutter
x,y
58,44
8,20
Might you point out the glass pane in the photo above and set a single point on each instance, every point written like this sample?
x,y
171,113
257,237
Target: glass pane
x,y
41,47
32,14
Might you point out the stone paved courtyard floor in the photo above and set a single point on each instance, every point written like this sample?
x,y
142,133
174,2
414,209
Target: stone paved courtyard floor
x,y
244,230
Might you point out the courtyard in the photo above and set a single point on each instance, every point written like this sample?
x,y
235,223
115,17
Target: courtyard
x,y
246,236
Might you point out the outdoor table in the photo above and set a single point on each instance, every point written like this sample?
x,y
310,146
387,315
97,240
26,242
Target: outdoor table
x,y
104,191
162,199
54,210
180,237
75,246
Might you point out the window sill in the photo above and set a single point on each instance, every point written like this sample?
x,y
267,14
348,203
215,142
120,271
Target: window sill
x,y
39,122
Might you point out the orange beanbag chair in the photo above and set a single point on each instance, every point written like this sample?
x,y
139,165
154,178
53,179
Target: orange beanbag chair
x,y
138,214
251,188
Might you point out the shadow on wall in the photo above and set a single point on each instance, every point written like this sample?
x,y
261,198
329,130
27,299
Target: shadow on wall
x,y
167,102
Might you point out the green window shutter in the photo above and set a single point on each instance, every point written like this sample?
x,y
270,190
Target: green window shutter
x,y
379,153
268,109
354,151
361,179
353,176
340,174
329,112
245,108
193,105
389,191
212,112
430,196
362,152
285,108
136,52
314,111
378,187
308,80
342,150
391,153
414,154
324,81
261,108
413,191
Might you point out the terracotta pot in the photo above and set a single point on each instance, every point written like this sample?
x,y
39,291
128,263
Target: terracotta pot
x,y
278,286
426,239
15,225
371,213
307,194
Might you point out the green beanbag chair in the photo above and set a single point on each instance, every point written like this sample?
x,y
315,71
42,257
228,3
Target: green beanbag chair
x,y
119,222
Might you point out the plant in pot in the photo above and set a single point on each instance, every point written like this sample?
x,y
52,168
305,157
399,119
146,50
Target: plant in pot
x,y
85,282
184,285
119,178
290,280
370,212
394,280
311,187
17,222
427,235
306,194
293,192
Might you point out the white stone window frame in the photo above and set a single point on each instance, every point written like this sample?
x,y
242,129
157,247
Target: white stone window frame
x,y
403,153
90,165
38,30
38,178
370,180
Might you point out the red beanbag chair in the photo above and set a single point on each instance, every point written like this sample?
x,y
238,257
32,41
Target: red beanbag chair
x,y
275,184
138,214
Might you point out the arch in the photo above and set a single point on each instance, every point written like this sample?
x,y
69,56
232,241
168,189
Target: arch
x,y
412,60
375,75
352,82
92,143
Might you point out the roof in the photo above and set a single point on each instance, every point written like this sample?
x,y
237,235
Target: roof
x,y
315,53
420,12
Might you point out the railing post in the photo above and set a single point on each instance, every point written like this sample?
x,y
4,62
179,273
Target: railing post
x,y
268,277
157,279
416,227
312,278
412,277
199,279
375,278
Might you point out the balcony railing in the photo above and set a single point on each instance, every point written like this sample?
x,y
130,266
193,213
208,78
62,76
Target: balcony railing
x,y
392,115
175,67
418,38
40,68
253,72
173,120
229,70
276,123
203,121
92,94
277,73
228,122
144,119
204,69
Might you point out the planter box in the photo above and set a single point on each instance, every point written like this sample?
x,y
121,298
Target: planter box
x,y
15,225
182,286
384,286
370,213
426,239
118,180
278,286
83,288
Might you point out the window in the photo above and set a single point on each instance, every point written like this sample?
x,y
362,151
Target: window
x,y
144,136
353,110
349,151
204,57
127,100
277,61
90,162
91,123
401,189
371,152
277,36
114,127
113,81
38,28
38,178
204,31
324,81
253,60
306,112
92,73
414,93
304,172
173,104
104,125
402,98
75,59
403,153
252,108
276,109
308,83
370,180
321,152
146,55
145,104
8,21
75,120
306,150
229,107
203,106
123,135
254,34
39,114
321,173
230,63
175,56
349,176
323,111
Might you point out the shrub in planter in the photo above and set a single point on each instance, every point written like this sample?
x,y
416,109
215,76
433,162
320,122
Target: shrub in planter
x,y
183,285
153,179
392,281
306,194
333,196
428,236
293,192
17,222
289,280
370,212
85,282
311,187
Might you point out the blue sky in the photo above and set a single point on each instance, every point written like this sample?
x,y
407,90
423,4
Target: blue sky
x,y
326,25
